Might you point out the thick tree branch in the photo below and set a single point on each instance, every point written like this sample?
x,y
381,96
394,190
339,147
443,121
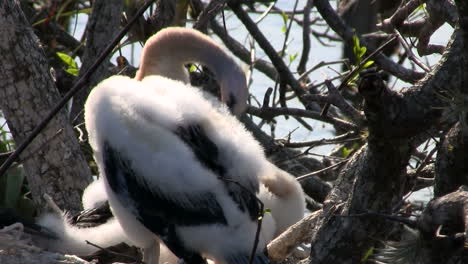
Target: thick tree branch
x,y
103,24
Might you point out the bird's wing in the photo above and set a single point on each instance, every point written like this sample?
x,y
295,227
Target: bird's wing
x,y
207,153
154,209
157,212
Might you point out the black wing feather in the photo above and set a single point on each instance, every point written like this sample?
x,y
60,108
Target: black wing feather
x,y
207,153
156,212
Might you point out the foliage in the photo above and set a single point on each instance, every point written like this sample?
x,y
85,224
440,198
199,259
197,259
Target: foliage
x,y
359,52
72,66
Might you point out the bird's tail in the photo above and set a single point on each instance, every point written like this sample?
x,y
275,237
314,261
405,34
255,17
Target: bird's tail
x,y
71,239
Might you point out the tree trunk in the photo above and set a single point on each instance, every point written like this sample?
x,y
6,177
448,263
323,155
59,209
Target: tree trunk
x,y
372,180
53,162
103,25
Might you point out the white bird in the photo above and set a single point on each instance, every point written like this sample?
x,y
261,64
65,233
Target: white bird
x,y
178,166
279,191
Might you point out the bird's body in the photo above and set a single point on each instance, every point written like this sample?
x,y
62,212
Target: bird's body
x,y
174,168
177,165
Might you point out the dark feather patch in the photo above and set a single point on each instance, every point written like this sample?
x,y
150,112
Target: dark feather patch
x,y
207,153
204,149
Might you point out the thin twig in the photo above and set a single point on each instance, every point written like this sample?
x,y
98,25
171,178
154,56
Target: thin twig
x,y
114,252
324,141
282,83
284,72
400,219
338,100
315,173
270,112
410,53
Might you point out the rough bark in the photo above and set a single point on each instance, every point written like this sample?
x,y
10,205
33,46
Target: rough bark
x,y
452,162
372,179
103,25
341,237
54,163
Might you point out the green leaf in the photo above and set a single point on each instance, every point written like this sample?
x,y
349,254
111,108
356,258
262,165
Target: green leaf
x,y
450,147
192,68
345,152
362,51
367,64
292,57
356,42
356,47
285,17
73,71
283,29
67,59
367,254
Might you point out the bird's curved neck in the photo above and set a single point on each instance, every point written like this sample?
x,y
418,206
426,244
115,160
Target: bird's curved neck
x,y
167,53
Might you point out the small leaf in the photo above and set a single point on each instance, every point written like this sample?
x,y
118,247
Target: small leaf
x,y
367,254
192,68
285,17
356,42
362,51
72,71
67,59
292,57
367,64
450,147
345,152
283,29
